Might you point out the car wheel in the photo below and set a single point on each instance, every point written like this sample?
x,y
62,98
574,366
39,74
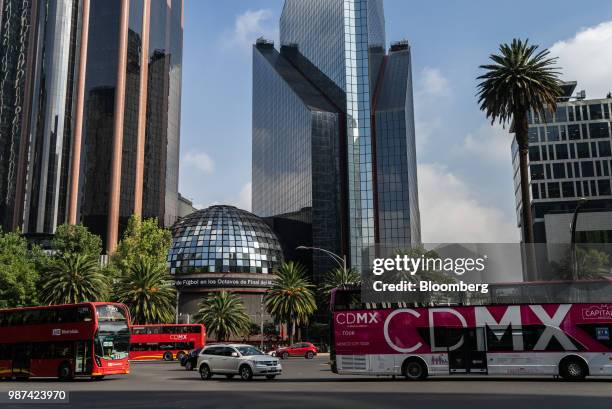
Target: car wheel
x,y
189,366
246,374
97,377
273,353
180,355
285,355
230,376
64,373
270,377
205,372
167,356
414,370
572,369
309,355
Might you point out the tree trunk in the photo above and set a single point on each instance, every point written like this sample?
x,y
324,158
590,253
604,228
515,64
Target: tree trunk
x,y
522,138
290,331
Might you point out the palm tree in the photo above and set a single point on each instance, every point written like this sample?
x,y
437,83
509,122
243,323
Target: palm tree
x,y
148,292
338,277
291,300
520,79
224,315
73,278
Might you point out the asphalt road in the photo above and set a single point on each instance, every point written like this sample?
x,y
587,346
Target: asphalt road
x,y
310,384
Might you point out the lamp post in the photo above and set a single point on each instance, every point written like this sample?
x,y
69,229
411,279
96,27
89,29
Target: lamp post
x,y
338,259
581,202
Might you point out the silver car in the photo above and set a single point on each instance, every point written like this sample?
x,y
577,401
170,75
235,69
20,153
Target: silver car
x,y
237,359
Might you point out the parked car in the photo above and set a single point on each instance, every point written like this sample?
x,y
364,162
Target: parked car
x,y
236,359
305,349
189,360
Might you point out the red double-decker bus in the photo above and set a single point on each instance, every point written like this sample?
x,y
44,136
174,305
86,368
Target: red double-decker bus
x,y
64,341
167,341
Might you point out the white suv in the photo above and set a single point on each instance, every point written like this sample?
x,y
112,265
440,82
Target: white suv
x,y
237,359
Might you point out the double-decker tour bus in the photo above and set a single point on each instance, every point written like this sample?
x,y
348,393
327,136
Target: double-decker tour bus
x,y
64,341
165,341
568,340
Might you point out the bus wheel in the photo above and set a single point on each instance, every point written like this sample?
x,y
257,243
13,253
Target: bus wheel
x,y
414,370
64,373
168,356
180,355
573,369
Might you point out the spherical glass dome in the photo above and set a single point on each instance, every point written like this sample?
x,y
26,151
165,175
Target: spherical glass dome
x,y
223,239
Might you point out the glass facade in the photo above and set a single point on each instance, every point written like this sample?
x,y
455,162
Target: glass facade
x,y
223,239
346,31
296,172
17,27
40,52
162,127
51,117
339,47
398,210
570,157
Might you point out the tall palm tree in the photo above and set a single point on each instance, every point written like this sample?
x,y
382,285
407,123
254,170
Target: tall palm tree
x,y
520,78
148,292
338,277
291,300
72,278
223,314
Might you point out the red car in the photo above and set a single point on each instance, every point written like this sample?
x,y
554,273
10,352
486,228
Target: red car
x,y
305,349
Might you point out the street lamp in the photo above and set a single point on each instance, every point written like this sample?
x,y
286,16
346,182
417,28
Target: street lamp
x,y
340,260
581,202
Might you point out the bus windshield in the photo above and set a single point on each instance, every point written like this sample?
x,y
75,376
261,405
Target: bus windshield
x,y
113,337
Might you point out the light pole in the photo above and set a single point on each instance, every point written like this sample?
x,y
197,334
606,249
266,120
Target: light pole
x,y
340,260
581,202
261,327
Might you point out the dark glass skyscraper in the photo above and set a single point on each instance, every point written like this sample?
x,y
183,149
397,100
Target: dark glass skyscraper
x,y
362,162
89,110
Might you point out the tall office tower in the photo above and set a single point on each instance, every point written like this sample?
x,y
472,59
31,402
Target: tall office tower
x,y
344,179
90,110
131,115
569,159
16,54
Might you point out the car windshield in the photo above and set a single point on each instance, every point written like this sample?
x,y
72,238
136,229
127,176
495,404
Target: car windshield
x,y
249,351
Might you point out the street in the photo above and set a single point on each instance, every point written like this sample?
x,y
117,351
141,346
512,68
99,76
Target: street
x,y
311,384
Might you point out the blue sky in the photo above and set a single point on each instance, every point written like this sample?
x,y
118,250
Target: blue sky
x,y
465,175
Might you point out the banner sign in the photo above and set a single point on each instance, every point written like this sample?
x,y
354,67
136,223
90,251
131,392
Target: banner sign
x,y
225,282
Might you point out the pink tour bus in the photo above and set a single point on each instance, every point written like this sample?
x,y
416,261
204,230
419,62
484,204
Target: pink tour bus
x,y
568,340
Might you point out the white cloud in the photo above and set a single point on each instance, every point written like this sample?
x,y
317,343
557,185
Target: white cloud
x,y
251,25
489,142
199,160
587,58
450,213
433,82
244,197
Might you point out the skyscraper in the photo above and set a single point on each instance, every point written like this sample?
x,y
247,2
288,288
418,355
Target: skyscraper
x,y
570,158
90,110
333,132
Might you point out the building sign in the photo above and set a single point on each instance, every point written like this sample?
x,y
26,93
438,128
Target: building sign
x,y
227,282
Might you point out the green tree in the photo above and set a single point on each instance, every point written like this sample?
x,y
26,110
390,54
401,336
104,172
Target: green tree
x,y
224,315
519,79
591,263
143,239
19,271
291,299
77,238
338,277
149,293
73,277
